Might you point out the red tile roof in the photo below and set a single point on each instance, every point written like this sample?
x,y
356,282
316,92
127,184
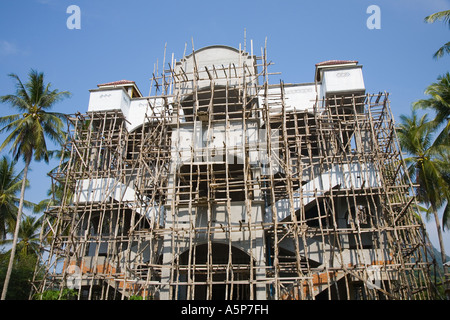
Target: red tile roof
x,y
116,83
334,62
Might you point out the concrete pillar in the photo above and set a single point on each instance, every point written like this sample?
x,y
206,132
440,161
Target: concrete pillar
x,y
165,272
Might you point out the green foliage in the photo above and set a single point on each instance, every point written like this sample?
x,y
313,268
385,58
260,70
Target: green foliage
x,y
445,17
65,294
428,149
427,160
28,236
28,132
10,183
21,275
29,128
136,297
438,101
428,166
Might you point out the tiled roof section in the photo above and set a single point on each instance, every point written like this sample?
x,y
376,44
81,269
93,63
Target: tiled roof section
x,y
116,83
334,62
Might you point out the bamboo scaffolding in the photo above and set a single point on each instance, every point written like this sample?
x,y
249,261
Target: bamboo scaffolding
x,y
204,220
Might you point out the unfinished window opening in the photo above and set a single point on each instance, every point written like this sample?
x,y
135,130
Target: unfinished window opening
x,y
198,184
358,220
200,102
346,104
287,263
107,225
315,214
357,216
342,116
302,136
134,144
280,186
214,266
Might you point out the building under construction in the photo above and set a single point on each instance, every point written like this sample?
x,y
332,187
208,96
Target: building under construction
x,y
222,185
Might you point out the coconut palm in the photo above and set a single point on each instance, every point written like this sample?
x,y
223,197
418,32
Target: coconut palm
x,y
444,16
28,239
427,163
10,184
9,188
29,130
439,102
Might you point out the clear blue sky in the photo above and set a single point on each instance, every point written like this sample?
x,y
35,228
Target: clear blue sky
x,y
124,39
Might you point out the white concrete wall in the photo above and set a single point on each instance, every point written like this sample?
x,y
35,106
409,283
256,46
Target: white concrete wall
x,y
104,189
340,80
134,110
141,107
109,99
98,190
217,56
136,115
209,144
300,97
219,215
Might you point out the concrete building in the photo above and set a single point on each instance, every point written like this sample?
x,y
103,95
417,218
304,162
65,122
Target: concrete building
x,y
221,185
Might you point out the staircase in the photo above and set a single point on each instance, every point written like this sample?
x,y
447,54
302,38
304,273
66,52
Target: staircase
x,y
354,175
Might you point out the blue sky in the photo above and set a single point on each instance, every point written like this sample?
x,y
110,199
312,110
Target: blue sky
x,y
124,39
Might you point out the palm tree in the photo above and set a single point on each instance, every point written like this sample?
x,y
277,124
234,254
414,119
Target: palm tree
x,y
439,102
427,165
10,183
9,187
28,236
444,16
29,130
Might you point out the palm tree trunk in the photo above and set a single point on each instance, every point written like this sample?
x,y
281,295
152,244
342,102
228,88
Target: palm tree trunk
x,y
439,233
16,231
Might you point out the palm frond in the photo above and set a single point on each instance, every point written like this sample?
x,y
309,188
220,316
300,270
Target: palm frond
x,y
446,216
445,17
9,119
10,186
20,88
441,15
17,101
445,49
